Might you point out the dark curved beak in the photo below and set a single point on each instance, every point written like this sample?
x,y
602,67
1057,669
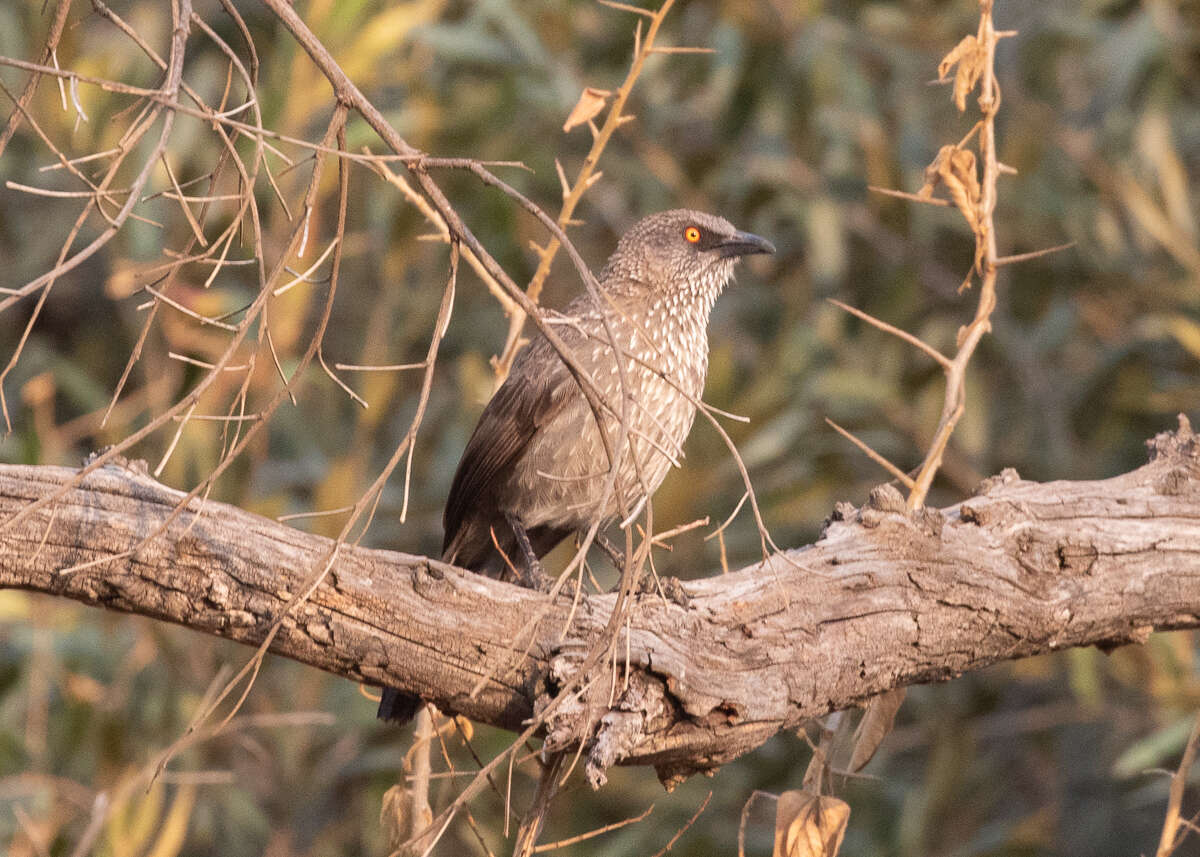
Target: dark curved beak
x,y
744,244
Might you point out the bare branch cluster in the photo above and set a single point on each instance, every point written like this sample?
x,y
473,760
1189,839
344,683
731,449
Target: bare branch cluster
x,y
252,254
1020,569
244,376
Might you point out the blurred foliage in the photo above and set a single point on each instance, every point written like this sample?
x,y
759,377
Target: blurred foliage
x,y
781,129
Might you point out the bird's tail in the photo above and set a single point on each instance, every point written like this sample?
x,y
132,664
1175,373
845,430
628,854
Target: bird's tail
x,y
398,706
467,548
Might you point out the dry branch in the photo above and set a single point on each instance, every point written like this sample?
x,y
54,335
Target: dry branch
x,y
885,598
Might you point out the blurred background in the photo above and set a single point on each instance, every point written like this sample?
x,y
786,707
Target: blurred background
x,y
800,106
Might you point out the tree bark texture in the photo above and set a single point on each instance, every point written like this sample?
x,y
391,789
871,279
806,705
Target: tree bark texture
x,y
884,598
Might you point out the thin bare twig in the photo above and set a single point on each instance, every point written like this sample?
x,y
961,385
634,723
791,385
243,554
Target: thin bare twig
x,y
699,810
1034,254
898,474
586,176
911,197
912,340
592,834
1170,838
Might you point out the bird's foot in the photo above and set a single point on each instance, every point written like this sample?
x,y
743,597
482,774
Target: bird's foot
x,y
542,582
532,576
650,584
615,556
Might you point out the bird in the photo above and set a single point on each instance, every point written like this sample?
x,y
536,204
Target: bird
x,y
536,469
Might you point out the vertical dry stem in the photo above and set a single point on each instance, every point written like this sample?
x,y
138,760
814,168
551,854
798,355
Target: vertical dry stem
x,y
1170,839
586,177
983,225
975,197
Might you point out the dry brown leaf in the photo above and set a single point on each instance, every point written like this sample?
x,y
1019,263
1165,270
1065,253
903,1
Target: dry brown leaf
x,y
980,252
393,816
875,725
967,45
958,173
958,193
809,825
963,164
465,726
968,75
961,177
969,56
587,108
933,172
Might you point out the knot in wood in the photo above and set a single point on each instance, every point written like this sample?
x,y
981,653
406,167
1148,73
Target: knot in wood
x,y
1077,558
1035,555
886,502
972,514
1176,483
625,726
842,512
1007,476
428,579
218,594
1049,560
319,631
1180,443
886,498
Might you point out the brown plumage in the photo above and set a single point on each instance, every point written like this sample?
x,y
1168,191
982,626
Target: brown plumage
x,y
536,465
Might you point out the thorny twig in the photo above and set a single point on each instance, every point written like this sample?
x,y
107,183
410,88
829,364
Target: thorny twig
x,y
244,418
972,185
573,193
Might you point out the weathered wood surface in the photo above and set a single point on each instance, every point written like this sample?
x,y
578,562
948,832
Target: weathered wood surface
x,y
883,599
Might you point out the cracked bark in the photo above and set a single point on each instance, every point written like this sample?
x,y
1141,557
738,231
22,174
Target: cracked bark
x,y
883,599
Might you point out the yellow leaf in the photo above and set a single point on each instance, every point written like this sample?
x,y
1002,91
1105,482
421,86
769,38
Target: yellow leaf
x,y
132,821
589,105
875,725
174,828
1187,333
809,825
393,816
966,46
969,56
14,606
384,34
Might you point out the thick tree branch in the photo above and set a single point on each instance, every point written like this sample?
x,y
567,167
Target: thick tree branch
x,y
885,598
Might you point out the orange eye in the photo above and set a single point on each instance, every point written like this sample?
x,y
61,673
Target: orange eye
x,y
691,234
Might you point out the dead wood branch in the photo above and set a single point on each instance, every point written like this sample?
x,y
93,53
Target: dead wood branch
x,y
885,598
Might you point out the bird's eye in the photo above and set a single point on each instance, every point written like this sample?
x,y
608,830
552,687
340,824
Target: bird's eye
x,y
691,234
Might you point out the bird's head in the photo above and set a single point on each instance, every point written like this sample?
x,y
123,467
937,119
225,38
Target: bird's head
x,y
680,251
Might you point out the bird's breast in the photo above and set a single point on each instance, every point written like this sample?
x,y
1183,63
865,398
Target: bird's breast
x,y
649,385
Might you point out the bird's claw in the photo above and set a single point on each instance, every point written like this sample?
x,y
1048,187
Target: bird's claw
x,y
533,577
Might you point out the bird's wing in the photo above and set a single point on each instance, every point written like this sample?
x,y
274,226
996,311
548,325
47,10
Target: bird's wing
x,y
525,402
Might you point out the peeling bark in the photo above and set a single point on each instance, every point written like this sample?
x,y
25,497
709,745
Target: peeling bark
x,y
883,599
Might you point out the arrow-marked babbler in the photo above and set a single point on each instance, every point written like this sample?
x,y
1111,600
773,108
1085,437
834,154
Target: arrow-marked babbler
x,y
536,468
